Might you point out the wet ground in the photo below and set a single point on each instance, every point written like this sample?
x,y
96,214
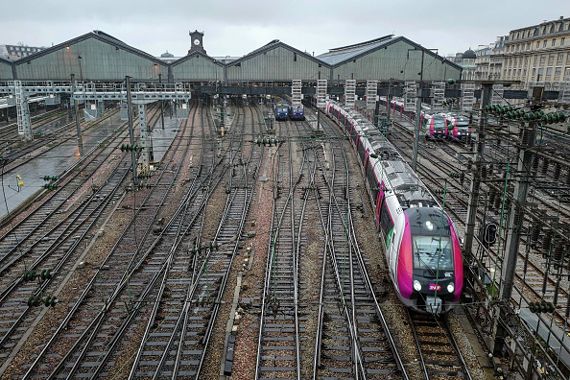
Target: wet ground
x,y
51,163
58,160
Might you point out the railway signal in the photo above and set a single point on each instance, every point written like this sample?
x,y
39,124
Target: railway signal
x,y
130,148
490,235
48,301
541,307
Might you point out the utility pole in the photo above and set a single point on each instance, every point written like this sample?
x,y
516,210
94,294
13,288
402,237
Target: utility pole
x,y
161,102
418,112
516,217
131,132
77,126
389,100
486,92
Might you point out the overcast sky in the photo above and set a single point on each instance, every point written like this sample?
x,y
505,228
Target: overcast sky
x,y
236,27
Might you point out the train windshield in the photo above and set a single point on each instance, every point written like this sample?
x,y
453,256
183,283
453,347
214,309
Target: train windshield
x,y
438,122
433,253
462,122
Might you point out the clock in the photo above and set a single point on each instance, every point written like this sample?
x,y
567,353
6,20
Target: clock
x,y
196,42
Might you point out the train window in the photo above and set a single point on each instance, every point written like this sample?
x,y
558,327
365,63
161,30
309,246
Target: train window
x,y
386,222
295,57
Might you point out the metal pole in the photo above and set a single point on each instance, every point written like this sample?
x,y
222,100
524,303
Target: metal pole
x,y
418,112
476,182
161,104
131,132
77,126
516,218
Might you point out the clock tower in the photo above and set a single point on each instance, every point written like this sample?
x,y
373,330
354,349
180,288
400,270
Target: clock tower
x,y
196,39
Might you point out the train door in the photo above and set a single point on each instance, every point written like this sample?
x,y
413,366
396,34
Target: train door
x,y
379,201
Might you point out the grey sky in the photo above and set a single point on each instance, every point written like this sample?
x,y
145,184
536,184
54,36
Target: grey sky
x,y
237,27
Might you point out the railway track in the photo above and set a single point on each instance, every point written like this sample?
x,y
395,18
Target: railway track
x,y
440,357
536,279
176,344
48,239
278,348
353,339
89,307
9,134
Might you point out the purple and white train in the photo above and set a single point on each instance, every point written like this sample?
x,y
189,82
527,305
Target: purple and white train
x,y
421,242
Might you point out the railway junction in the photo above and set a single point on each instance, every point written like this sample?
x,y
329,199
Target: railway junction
x,y
158,222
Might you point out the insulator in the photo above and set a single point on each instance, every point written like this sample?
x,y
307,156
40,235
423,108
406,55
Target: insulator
x,y
462,177
535,233
557,170
558,250
492,194
545,165
547,240
497,203
535,162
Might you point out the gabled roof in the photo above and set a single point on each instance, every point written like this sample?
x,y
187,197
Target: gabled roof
x,y
99,35
338,56
193,54
273,45
345,53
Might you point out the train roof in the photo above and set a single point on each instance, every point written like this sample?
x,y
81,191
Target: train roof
x,y
402,180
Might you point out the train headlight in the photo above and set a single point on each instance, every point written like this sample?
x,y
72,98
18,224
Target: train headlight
x,y
450,288
417,286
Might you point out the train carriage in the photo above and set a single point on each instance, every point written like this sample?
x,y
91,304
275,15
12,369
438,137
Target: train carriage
x,y
421,243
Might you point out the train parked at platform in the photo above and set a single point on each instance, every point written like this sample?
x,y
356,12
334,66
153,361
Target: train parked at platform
x,y
421,242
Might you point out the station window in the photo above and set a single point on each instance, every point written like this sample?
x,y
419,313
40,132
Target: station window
x,y
295,57
562,41
544,43
553,43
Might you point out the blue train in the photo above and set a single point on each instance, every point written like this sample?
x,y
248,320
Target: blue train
x,y
297,112
281,111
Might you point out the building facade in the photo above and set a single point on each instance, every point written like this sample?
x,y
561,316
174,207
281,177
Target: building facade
x,y
539,55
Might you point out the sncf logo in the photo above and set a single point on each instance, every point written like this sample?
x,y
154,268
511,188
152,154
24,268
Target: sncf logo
x,y
435,287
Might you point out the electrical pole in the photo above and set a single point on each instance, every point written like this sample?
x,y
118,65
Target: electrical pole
x,y
418,112
77,126
516,216
161,102
131,132
486,92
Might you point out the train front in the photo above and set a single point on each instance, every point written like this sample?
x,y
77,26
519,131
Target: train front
x,y
430,263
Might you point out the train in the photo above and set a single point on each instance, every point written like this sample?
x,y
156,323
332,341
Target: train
x,y
281,111
297,112
284,111
422,245
437,125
